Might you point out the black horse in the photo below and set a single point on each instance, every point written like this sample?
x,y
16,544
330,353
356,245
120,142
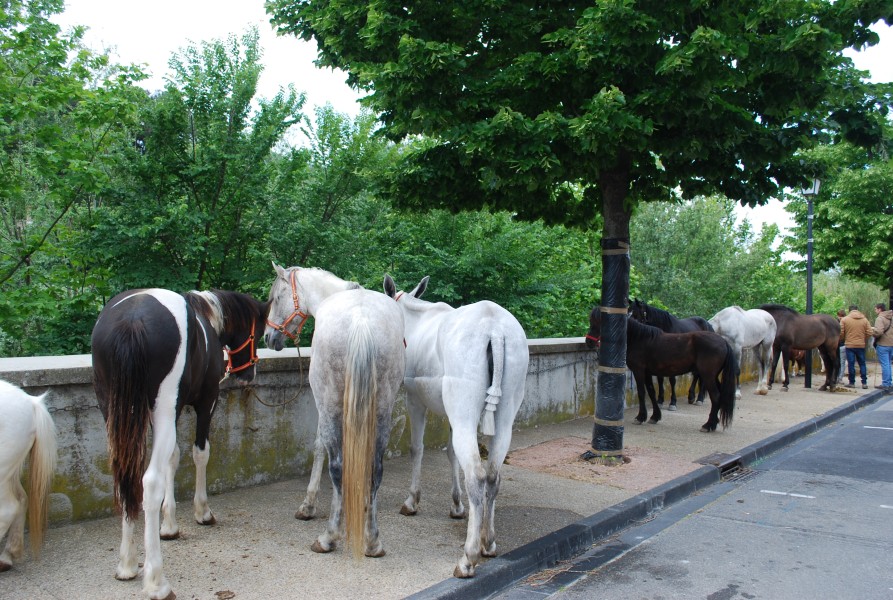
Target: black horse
x,y
650,351
805,332
665,321
154,352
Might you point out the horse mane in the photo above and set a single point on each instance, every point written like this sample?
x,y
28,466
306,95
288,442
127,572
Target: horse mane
x,y
225,310
350,285
659,317
642,331
778,307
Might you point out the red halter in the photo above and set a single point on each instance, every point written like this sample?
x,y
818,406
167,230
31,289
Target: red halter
x,y
297,313
597,340
250,363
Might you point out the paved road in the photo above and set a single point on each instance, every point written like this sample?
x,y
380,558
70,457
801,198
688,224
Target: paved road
x,y
814,520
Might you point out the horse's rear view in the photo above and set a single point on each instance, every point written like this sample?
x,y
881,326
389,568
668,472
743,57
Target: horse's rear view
x,y
356,371
26,430
154,352
469,363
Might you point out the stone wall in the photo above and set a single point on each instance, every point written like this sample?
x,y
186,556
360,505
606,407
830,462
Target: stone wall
x,y
264,433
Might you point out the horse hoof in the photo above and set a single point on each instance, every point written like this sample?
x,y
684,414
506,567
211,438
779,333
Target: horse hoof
x,y
170,536
653,421
463,573
376,553
784,388
320,549
824,388
660,402
458,515
672,407
4,566
762,392
700,403
304,515
208,522
409,512
706,429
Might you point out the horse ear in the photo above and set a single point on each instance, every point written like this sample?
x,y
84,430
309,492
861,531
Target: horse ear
x,y
389,287
420,288
279,270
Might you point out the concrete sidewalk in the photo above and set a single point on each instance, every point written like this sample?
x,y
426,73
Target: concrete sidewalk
x,y
544,513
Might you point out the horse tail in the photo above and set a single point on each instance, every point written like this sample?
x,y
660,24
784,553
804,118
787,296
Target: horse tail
x,y
494,392
41,467
727,389
128,415
358,431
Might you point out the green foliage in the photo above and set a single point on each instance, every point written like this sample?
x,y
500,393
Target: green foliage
x,y
546,276
833,291
62,111
691,259
853,213
190,203
542,109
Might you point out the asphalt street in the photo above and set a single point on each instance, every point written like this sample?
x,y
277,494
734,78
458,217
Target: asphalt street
x,y
814,520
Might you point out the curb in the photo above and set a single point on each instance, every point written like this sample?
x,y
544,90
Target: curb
x,y
572,540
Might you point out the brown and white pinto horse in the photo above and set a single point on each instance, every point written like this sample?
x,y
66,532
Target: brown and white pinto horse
x,y
154,352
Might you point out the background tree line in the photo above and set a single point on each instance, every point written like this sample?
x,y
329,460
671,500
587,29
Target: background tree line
x,y
104,187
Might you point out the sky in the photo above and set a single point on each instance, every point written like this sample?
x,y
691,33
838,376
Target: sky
x,y
148,34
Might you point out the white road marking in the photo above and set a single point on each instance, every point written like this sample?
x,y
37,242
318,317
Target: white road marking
x,y
885,506
773,492
870,427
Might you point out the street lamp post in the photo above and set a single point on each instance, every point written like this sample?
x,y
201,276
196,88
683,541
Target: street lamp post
x,y
810,193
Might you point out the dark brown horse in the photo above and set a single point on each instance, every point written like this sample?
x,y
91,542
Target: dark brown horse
x,y
806,332
650,351
669,323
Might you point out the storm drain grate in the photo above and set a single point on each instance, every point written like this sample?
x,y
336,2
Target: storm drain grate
x,y
738,474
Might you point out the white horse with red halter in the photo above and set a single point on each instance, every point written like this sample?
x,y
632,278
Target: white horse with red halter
x,y
26,430
470,364
355,373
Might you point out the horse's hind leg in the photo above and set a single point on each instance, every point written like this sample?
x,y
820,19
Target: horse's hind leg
x,y
373,545
155,479
201,453
672,394
499,447
417,429
127,568
169,528
465,445
327,539
201,509
457,509
12,521
307,510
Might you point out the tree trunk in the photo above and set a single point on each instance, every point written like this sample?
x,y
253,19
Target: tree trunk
x,y
607,432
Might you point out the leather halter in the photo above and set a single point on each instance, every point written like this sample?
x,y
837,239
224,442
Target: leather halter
x,y
297,312
597,340
247,343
